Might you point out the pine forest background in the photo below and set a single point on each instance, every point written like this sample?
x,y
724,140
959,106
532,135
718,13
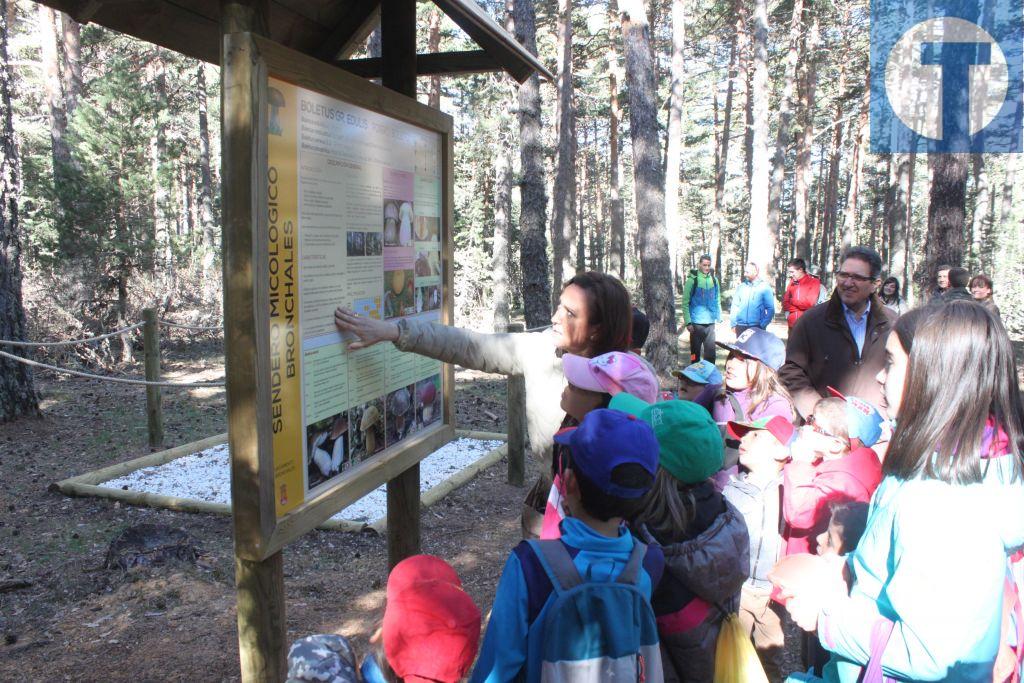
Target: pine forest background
x,y
742,124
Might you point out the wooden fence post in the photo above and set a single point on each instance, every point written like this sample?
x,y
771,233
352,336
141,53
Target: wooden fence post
x,y
151,346
516,410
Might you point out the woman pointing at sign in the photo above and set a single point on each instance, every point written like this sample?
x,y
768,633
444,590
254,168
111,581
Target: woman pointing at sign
x,y
593,317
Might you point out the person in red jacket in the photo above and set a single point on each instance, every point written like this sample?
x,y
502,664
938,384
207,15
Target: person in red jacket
x,y
802,291
832,462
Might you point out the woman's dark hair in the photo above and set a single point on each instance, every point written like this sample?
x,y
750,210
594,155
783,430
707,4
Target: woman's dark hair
x,y
943,416
896,296
985,281
667,509
906,326
609,312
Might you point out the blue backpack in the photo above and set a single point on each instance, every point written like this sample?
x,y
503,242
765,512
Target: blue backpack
x,y
597,631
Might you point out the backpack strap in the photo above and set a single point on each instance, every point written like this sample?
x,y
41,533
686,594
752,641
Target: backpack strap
x,y
557,563
737,409
631,573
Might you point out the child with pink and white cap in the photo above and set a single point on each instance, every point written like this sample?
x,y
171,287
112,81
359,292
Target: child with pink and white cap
x,y
592,382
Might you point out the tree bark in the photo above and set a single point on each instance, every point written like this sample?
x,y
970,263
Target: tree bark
x,y
649,187
17,393
53,92
502,219
563,212
581,207
673,156
830,208
979,219
857,171
762,240
946,209
434,45
778,169
532,219
160,175
896,219
206,217
616,253
72,63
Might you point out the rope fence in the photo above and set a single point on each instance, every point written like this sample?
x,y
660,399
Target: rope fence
x,y
107,378
32,345
194,328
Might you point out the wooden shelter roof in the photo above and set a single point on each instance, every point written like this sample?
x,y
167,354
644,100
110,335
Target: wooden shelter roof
x,y
330,30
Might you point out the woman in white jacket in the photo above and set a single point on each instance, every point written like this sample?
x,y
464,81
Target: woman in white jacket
x,y
594,316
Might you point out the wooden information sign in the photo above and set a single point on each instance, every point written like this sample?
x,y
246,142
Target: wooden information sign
x,y
349,202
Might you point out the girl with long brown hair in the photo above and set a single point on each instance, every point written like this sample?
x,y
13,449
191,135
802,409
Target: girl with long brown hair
x,y
929,573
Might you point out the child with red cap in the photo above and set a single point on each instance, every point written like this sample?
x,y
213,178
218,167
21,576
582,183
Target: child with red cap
x,y
832,462
431,627
755,492
612,458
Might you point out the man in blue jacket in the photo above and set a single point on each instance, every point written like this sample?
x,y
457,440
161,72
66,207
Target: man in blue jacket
x,y
752,303
701,310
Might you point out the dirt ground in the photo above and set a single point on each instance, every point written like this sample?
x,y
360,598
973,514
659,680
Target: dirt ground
x,y
64,617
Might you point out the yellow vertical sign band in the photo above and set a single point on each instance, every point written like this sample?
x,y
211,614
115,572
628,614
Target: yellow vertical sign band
x,y
283,271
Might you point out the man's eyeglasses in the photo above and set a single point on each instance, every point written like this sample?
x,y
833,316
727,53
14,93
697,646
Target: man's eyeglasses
x,y
859,279
813,424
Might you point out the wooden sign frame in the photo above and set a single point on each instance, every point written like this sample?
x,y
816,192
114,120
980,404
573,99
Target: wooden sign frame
x,y
249,60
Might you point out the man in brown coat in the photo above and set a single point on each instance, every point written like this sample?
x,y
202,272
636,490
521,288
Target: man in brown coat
x,y
841,343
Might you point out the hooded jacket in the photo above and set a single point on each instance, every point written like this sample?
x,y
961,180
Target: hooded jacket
x,y
822,353
701,299
809,489
705,567
752,305
801,296
933,561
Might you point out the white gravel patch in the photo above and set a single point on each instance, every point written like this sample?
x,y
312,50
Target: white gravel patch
x,y
207,476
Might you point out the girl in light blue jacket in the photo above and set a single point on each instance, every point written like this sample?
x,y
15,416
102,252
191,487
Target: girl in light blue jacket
x,y
926,602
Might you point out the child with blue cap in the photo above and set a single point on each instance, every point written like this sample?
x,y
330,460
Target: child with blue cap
x,y
700,383
610,468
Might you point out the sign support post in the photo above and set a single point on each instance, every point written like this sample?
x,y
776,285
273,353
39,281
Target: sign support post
x,y
398,57
259,583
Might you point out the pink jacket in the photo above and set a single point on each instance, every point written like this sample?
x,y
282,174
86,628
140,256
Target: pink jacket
x,y
808,489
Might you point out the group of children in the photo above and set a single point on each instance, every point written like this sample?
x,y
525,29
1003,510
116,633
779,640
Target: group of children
x,y
666,515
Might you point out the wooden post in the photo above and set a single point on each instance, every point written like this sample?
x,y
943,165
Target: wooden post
x,y
151,346
262,648
515,388
398,73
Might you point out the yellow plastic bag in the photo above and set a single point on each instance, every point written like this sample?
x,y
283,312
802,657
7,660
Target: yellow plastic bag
x,y
735,658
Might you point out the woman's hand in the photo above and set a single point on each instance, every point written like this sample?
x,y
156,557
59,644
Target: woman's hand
x,y
368,330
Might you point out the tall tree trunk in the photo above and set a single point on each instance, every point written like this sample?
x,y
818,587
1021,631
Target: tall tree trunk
x,y
563,212
979,219
830,208
581,208
762,240
946,209
53,92
673,156
908,244
722,158
804,140
649,187
857,171
17,393
206,218
778,170
71,32
896,219
434,45
1005,214
533,255
502,220
617,251
160,175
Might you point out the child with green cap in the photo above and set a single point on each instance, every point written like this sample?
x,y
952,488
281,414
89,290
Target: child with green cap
x,y
703,537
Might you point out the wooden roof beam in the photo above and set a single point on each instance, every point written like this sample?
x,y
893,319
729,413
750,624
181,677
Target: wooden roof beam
x,y
351,30
430,64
